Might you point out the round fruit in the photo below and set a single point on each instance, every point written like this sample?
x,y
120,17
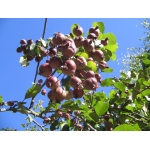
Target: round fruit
x,y
98,55
55,62
58,38
79,126
30,41
79,41
43,92
19,50
46,120
68,67
78,93
104,42
88,45
60,114
77,112
52,82
98,77
45,70
75,82
94,30
81,62
102,65
92,36
78,31
68,49
69,94
10,103
91,83
89,74
52,52
67,115
23,42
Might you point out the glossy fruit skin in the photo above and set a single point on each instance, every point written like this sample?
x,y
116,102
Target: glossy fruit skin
x,y
52,52
58,38
43,92
88,45
78,93
78,41
81,63
67,115
23,42
46,120
78,31
91,83
98,77
30,41
68,49
77,112
45,70
79,126
98,55
102,65
104,42
57,94
55,62
89,74
94,30
10,103
68,67
80,73
92,36
19,50
52,82
75,82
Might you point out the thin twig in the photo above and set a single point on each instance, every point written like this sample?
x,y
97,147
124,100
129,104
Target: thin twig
x,y
36,73
39,125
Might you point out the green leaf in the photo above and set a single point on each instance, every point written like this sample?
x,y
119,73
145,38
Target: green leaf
x,y
66,83
146,92
68,104
32,47
129,108
33,91
107,82
99,96
91,65
112,94
78,102
146,83
30,119
136,126
93,116
113,57
83,54
59,71
23,109
125,127
111,38
107,70
120,86
52,105
100,25
112,48
54,125
101,108
1,98
123,75
146,61
65,127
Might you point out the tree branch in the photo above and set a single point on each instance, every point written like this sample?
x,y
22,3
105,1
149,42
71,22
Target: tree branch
x,y
36,73
39,125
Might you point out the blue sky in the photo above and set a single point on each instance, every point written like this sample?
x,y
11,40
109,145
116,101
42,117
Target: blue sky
x,y
15,80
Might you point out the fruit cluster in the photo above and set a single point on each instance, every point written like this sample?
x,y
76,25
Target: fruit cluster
x,y
73,55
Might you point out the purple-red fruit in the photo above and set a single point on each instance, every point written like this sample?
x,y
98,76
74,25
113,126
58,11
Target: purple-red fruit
x,y
75,82
91,83
58,38
78,31
43,92
52,82
81,62
45,70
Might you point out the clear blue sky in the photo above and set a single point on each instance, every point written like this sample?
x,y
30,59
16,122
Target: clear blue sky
x,y
15,80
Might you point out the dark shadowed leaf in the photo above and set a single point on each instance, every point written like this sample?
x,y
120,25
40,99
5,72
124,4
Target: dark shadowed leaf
x,y
65,83
54,125
65,127
68,104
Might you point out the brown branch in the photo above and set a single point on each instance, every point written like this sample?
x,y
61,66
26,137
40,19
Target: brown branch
x,y
36,73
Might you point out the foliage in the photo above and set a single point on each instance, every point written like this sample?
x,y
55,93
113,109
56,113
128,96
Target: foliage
x,y
125,108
